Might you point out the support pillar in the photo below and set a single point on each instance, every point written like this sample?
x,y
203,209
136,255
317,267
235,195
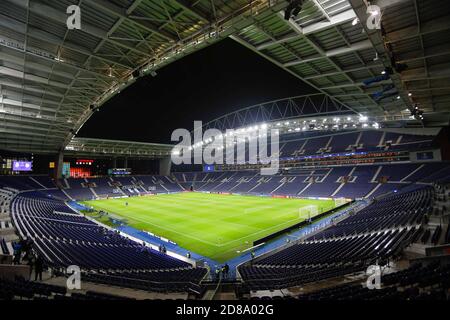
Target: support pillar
x,y
59,163
165,165
114,163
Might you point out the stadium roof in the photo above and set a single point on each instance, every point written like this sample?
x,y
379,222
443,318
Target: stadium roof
x,y
415,32
330,47
52,79
112,148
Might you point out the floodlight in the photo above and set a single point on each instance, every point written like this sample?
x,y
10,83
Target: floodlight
x,y
363,118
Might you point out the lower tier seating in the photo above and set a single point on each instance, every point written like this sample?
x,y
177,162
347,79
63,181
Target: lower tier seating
x,y
418,282
63,238
374,234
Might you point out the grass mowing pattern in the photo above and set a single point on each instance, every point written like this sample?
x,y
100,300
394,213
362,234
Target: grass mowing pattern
x,y
213,225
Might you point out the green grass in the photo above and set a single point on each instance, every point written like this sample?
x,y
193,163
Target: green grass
x,y
213,225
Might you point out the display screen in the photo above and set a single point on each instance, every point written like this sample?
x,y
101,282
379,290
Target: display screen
x,y
425,155
66,169
208,168
119,172
22,166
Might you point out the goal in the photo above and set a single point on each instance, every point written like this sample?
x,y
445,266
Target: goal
x,y
307,212
340,201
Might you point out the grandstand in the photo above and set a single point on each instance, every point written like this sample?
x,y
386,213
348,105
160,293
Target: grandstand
x,y
363,162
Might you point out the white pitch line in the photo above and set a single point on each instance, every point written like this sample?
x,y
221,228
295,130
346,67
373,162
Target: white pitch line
x,y
174,231
258,232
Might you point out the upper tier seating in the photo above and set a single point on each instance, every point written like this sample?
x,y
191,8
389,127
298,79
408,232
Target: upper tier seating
x,y
90,188
345,181
362,181
103,188
79,189
301,144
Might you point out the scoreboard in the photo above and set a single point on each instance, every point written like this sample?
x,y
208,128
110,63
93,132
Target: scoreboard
x,y
22,165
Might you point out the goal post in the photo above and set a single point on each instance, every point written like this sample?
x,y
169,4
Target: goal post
x,y
308,212
339,202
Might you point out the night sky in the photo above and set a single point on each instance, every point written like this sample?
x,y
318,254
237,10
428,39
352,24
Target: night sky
x,y
202,86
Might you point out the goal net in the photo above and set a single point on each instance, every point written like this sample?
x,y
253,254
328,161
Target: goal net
x,y
308,212
340,201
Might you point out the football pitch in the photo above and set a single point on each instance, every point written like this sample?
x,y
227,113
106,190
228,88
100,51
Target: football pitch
x,y
214,225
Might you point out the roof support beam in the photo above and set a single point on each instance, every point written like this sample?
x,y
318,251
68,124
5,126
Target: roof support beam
x,y
30,77
425,28
35,117
362,45
124,15
334,73
18,131
28,126
249,46
26,143
47,37
385,4
189,8
321,9
29,88
61,17
292,24
438,71
6,93
336,20
32,65
356,85
430,52
20,102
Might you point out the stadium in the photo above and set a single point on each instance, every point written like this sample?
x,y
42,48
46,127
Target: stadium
x,y
339,190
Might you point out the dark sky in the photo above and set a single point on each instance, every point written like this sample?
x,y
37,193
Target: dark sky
x,y
202,86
